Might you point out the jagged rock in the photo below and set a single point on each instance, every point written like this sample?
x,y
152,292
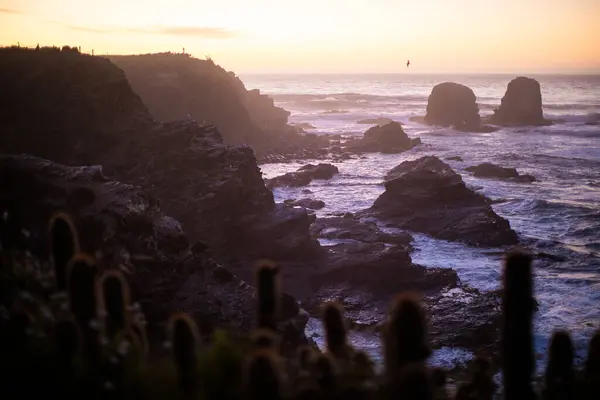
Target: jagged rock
x,y
180,87
80,110
488,170
388,138
312,204
521,104
427,196
303,176
127,228
348,227
453,104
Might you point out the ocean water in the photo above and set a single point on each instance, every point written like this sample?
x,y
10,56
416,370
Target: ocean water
x,y
559,214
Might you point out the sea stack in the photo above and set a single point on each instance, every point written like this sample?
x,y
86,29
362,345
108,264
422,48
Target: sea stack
x,y
453,104
521,104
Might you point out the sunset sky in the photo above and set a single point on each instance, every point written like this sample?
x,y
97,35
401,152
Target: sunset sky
x,y
325,35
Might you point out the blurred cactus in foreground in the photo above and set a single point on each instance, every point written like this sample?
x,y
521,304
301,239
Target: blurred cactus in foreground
x,y
93,344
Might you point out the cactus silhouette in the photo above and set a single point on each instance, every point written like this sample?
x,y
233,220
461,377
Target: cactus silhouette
x,y
262,380
592,368
438,380
560,376
265,339
67,345
335,330
64,244
518,307
82,274
185,339
326,372
405,335
267,284
112,292
413,384
482,382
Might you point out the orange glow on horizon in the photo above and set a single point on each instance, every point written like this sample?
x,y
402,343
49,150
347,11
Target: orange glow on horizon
x,y
354,36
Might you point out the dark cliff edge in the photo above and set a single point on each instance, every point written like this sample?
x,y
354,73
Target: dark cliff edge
x,y
76,109
180,87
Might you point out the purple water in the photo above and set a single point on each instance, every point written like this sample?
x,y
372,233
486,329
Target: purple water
x,y
560,214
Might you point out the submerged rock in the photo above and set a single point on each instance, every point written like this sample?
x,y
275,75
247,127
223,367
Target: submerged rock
x,y
455,158
388,138
521,104
488,170
455,105
303,176
349,227
125,227
427,196
312,204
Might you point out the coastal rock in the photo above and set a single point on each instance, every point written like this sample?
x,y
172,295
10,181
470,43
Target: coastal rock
x,y
426,195
388,138
488,170
76,109
458,316
125,227
455,105
452,104
455,158
521,104
178,87
303,176
349,227
312,204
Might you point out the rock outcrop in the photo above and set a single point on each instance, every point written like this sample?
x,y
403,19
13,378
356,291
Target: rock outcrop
x,y
388,138
455,105
80,110
309,203
124,227
178,87
352,228
521,104
488,170
303,176
426,195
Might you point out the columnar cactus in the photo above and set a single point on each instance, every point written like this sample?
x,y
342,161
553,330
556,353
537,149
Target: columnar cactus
x,y
517,344
64,244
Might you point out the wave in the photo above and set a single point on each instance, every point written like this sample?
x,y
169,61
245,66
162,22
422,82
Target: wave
x,y
590,118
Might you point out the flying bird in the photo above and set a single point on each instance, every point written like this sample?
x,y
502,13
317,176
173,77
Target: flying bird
x,y
407,63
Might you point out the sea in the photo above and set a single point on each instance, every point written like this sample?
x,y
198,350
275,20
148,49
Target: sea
x,y
557,215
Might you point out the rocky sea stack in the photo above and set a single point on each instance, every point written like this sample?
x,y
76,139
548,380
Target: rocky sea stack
x,y
387,138
455,105
521,104
77,109
488,170
426,195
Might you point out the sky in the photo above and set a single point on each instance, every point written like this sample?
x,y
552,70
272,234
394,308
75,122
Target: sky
x,y
325,36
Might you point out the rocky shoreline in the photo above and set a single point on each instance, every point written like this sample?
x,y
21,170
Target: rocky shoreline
x,y
208,178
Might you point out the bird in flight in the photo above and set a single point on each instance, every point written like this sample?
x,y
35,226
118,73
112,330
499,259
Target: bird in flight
x,y
407,63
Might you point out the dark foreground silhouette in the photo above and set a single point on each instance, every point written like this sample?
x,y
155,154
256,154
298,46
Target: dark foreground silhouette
x,y
69,330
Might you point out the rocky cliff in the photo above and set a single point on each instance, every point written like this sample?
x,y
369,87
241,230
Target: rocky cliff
x,y
179,87
123,227
80,110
